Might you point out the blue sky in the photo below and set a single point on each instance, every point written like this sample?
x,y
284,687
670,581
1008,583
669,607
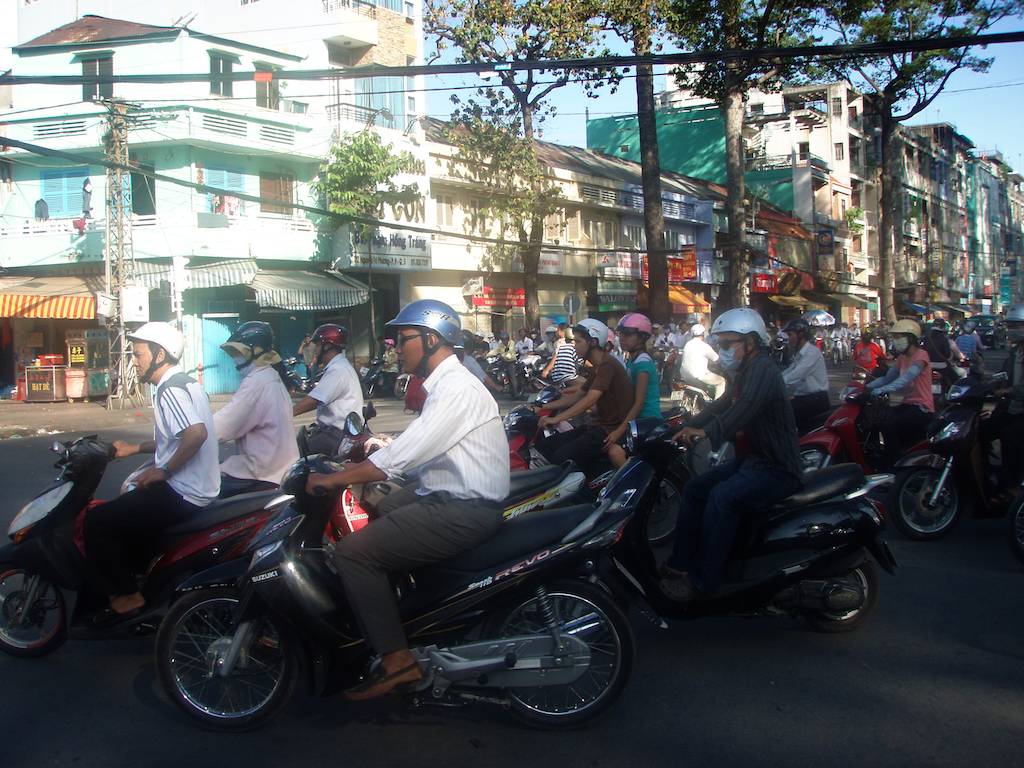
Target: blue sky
x,y
988,108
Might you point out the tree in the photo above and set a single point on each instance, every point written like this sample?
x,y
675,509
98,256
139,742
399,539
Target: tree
x,y
639,24
357,181
904,85
495,130
712,25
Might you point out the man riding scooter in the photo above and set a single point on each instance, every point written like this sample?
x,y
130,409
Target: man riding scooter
x,y
258,417
336,395
184,479
460,457
755,408
806,377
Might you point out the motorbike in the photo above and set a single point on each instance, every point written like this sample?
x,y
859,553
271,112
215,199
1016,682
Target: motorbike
x,y
497,369
692,396
522,621
811,555
45,589
376,378
301,379
954,474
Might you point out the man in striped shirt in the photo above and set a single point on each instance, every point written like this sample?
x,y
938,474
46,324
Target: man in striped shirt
x,y
458,452
565,364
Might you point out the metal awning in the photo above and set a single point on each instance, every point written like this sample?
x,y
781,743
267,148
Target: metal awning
x,y
843,299
960,310
684,300
795,302
307,291
56,298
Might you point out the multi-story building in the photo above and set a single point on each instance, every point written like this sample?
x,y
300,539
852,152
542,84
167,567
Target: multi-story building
x,y
995,225
210,259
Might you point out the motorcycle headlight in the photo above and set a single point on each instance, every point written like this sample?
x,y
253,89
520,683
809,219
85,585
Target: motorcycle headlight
x,y
949,431
956,392
512,418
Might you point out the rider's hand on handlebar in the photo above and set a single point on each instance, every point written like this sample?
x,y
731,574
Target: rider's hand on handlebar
x,y
318,485
123,450
547,421
688,436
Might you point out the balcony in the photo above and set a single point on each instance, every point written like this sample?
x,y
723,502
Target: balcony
x,y
60,242
350,22
771,162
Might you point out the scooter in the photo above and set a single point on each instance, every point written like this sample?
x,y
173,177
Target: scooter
x,y
521,621
45,588
953,474
809,555
300,379
376,379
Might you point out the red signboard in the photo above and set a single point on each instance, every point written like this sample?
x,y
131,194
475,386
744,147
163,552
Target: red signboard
x,y
761,283
681,269
501,297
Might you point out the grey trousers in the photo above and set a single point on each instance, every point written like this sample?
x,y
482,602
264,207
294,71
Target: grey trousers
x,y
411,531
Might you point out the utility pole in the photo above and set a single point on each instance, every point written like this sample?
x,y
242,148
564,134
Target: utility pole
x,y
119,257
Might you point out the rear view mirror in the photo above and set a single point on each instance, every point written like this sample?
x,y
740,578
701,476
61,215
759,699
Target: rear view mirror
x,y
354,424
56,447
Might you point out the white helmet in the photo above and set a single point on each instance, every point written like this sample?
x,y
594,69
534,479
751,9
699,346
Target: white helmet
x,y
742,320
164,334
697,330
1015,313
594,329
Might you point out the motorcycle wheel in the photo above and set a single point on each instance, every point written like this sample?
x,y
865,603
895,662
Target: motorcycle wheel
x,y
48,627
864,576
911,515
584,611
813,459
196,629
661,524
1017,527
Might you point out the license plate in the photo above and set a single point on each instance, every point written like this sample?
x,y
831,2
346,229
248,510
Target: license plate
x,y
936,389
363,371
677,394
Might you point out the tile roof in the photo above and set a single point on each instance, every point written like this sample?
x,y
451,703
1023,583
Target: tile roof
x,y
96,29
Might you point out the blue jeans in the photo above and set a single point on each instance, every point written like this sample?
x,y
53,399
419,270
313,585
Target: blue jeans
x,y
712,507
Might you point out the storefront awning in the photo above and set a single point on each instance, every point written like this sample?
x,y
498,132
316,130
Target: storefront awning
x,y
57,298
307,291
684,300
796,302
960,310
844,299
915,308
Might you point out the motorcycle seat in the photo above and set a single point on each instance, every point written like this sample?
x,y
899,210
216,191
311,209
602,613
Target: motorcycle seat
x,y
523,485
520,537
823,484
221,511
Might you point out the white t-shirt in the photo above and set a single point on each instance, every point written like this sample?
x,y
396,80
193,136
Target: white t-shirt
x,y
259,419
179,402
807,374
524,346
696,355
338,392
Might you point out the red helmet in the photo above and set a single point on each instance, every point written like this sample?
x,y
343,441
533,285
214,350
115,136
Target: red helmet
x,y
330,334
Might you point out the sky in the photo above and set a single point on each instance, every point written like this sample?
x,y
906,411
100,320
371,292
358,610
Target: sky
x,y
988,107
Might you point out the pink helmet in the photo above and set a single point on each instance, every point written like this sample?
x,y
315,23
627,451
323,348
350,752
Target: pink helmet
x,y
637,322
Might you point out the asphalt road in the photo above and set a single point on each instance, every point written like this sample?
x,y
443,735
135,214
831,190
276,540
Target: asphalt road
x,y
935,678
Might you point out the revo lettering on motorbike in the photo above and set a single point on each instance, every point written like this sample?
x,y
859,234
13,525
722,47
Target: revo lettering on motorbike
x,y
533,560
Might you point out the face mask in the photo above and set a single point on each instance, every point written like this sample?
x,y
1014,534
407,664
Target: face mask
x,y
728,360
901,345
1015,335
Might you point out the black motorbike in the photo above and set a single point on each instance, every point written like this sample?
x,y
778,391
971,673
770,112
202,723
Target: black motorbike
x,y
809,555
512,384
377,380
301,379
956,475
522,621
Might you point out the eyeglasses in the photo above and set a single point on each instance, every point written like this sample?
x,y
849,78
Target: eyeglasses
x,y
400,342
727,344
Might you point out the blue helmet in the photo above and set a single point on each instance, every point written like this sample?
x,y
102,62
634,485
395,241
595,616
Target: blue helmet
x,y
433,316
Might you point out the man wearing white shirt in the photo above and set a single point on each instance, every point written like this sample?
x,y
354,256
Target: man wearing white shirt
x,y
258,417
524,345
694,368
806,377
458,452
336,395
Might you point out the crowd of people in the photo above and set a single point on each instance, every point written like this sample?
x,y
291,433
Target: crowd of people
x,y
457,450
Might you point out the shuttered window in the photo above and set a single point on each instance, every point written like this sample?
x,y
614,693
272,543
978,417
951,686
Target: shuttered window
x,y
62,191
99,66
277,187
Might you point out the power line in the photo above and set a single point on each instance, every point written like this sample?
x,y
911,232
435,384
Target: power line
x,y
865,50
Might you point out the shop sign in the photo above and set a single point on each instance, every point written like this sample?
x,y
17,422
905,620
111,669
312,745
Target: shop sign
x,y
614,304
622,265
500,297
681,269
825,240
391,251
1005,288
764,283
616,288
550,263
76,354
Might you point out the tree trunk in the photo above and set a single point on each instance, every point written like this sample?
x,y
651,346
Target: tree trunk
x,y
887,215
650,166
735,251
530,242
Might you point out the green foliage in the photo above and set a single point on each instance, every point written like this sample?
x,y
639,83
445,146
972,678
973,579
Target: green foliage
x,y
853,220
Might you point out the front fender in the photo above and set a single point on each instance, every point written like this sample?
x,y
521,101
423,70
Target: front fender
x,y
922,459
221,575
822,438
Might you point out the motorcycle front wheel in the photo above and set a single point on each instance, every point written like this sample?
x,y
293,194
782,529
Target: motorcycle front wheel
x,y
30,630
587,613
193,638
912,514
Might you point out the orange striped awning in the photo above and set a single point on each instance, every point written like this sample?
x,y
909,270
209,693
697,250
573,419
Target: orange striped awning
x,y
684,300
57,298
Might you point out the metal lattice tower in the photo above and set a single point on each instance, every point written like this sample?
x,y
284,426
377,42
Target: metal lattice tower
x,y
119,257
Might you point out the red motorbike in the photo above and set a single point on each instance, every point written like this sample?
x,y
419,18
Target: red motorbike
x,y
43,569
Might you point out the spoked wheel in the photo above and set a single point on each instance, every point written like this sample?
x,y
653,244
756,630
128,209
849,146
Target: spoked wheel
x,y
661,523
591,615
914,515
863,577
33,617
194,637
1017,527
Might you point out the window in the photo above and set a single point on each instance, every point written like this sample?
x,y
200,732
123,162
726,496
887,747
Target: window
x,y
600,232
477,216
410,11
383,97
837,106
143,192
229,179
572,221
852,113
220,66
839,150
757,109
803,149
554,227
62,191
100,66
268,95
277,191
636,236
674,240
445,208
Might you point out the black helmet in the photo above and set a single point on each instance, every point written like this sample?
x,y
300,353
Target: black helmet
x,y
254,334
798,326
